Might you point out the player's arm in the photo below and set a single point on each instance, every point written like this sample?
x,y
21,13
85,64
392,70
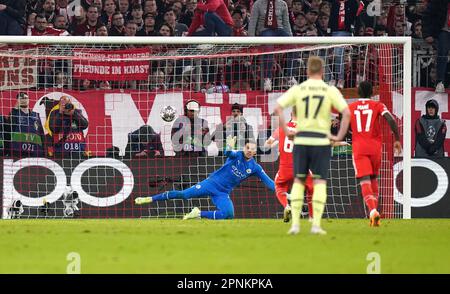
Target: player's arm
x,y
286,100
273,140
344,125
394,127
229,152
340,105
270,143
268,182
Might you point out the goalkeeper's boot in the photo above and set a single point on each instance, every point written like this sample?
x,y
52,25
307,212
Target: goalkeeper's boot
x,y
318,231
375,219
142,200
287,214
195,213
294,230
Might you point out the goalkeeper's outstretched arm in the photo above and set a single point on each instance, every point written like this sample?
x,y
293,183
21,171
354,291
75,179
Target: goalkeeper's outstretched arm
x,y
270,184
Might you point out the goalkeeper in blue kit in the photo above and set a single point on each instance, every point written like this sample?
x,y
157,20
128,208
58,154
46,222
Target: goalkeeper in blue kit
x,y
239,166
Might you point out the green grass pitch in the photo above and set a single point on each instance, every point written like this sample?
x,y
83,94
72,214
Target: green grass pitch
x,y
234,246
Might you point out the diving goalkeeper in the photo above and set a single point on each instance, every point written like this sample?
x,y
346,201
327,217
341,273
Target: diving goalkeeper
x,y
239,166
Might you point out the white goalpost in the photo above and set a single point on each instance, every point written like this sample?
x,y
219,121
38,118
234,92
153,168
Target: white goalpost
x,y
119,85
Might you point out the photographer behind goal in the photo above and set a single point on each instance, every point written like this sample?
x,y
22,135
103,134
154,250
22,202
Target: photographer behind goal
x,y
65,124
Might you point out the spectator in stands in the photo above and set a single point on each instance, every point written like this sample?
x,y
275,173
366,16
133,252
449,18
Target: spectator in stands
x,y
436,31
322,25
311,17
60,22
177,7
215,18
65,124
96,3
144,143
118,25
136,16
41,28
170,18
149,26
342,22
151,7
102,31
269,18
130,29
48,9
399,29
380,30
24,134
430,132
79,18
61,9
158,78
245,13
12,17
187,16
166,30
89,27
235,126
31,18
124,7
300,27
297,7
109,9
60,80
190,134
417,30
396,14
325,8
238,27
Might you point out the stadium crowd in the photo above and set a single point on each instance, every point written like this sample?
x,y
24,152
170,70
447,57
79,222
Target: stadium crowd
x,y
426,21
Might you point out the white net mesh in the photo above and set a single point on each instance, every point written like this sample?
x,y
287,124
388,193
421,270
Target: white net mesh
x,y
118,92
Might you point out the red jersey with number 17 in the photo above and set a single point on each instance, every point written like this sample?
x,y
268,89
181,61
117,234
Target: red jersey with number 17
x,y
365,123
285,147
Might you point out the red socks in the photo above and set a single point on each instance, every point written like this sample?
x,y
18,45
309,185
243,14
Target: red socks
x,y
368,195
375,190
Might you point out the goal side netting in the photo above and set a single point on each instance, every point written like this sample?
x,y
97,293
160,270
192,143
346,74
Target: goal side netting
x,y
116,140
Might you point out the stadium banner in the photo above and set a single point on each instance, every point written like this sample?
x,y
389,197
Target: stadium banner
x,y
433,199
420,96
17,72
107,187
110,65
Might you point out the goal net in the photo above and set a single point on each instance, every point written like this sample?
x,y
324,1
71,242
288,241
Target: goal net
x,y
88,126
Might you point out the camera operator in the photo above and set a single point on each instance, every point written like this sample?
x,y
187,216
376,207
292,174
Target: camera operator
x,y
65,124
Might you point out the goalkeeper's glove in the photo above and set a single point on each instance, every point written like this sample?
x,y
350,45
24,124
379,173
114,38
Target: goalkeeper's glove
x,y
231,142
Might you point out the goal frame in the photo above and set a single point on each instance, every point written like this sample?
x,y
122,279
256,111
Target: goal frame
x,y
406,42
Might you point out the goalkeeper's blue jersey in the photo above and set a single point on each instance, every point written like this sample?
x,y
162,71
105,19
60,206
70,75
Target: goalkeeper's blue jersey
x,y
236,169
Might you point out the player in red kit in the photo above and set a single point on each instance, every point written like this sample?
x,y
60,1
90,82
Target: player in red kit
x,y
366,137
285,174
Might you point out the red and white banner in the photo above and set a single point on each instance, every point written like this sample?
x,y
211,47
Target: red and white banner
x,y
17,72
111,65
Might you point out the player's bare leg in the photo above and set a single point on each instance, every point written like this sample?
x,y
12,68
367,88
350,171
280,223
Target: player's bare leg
x,y
297,193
